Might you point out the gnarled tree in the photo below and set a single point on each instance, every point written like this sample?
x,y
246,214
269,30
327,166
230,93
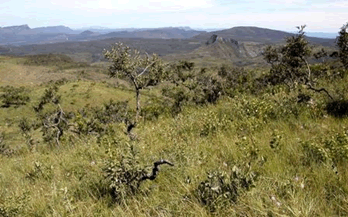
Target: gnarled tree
x,y
141,71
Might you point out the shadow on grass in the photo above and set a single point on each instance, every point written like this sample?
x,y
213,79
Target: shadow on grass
x,y
338,108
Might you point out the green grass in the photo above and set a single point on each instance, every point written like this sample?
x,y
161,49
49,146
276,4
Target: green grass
x,y
65,180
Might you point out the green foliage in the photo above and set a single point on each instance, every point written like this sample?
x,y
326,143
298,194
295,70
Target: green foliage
x,y
13,96
332,149
122,172
50,96
289,62
337,146
221,189
96,120
128,63
140,71
156,107
342,43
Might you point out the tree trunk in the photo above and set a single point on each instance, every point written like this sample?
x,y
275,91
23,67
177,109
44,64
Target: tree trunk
x,y
138,105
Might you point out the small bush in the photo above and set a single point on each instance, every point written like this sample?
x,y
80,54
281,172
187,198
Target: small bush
x,y
50,96
122,173
221,189
13,96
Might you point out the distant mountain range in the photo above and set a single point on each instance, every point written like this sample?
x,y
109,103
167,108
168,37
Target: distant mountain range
x,y
241,45
24,35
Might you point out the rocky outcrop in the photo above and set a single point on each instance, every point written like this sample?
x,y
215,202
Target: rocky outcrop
x,y
214,38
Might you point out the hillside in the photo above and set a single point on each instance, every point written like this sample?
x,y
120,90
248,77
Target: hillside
x,y
235,146
259,35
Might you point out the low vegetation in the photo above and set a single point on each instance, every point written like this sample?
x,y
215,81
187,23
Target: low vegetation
x,y
198,142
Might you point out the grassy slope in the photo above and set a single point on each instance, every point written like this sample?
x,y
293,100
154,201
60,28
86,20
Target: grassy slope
x,y
66,184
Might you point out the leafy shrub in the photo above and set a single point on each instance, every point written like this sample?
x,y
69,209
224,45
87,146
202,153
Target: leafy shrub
x,y
332,149
154,108
212,122
50,96
13,96
112,112
96,120
123,173
122,176
221,189
342,43
337,146
289,61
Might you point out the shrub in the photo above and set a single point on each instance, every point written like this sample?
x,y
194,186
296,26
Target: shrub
x,y
124,174
50,96
342,43
288,62
13,96
221,189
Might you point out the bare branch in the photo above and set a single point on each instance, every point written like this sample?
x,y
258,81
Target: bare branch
x,y
146,69
56,119
319,90
155,170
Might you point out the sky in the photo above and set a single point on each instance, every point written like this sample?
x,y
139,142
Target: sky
x,y
318,15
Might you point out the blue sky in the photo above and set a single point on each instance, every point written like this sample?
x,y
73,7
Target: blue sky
x,y
318,15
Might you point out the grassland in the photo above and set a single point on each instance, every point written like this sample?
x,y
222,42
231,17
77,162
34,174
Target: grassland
x,y
294,155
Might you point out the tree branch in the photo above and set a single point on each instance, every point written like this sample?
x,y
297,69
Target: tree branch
x,y
319,90
155,170
146,69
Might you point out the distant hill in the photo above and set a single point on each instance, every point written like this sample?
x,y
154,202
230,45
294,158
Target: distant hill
x,y
53,29
24,35
14,29
163,33
260,35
